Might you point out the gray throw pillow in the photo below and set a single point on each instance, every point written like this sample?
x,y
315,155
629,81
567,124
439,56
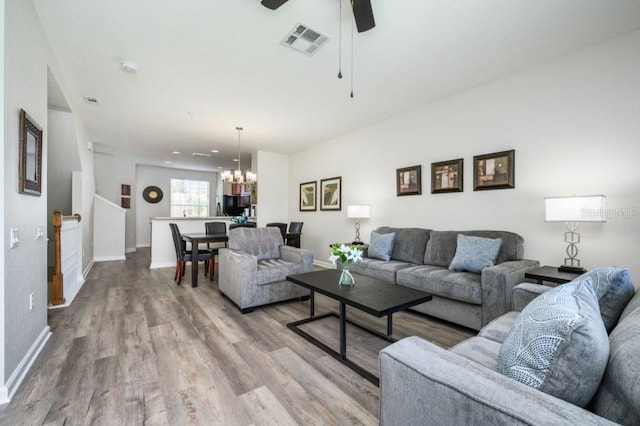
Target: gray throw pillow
x,y
381,245
558,344
614,290
473,254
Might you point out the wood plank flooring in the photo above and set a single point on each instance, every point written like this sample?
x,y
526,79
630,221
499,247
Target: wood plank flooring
x,y
134,348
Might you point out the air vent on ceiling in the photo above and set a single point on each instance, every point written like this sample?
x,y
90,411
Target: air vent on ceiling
x,y
305,39
200,155
92,100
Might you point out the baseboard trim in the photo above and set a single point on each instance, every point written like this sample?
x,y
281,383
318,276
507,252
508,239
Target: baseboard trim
x,y
130,250
161,265
86,271
109,258
12,385
327,265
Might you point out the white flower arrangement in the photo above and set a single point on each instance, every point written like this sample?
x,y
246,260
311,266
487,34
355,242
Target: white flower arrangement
x,y
345,254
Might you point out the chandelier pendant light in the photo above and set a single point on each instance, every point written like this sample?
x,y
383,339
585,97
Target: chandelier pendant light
x,y
237,176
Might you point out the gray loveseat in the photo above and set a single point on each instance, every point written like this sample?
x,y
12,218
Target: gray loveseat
x,y
420,260
254,267
423,383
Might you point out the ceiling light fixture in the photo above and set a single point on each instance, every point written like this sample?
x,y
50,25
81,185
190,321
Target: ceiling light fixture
x,y
237,176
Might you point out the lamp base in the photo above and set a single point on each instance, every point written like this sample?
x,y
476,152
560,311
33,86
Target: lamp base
x,y
572,269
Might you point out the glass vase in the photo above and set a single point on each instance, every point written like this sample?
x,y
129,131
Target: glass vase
x,y
345,277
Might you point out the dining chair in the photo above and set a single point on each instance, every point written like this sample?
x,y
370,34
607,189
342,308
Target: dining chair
x,y
242,225
282,227
294,234
183,256
214,228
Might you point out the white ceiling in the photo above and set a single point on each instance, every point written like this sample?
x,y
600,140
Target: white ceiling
x,y
206,66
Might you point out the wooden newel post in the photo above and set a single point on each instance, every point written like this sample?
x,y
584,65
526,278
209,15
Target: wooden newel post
x,y
57,297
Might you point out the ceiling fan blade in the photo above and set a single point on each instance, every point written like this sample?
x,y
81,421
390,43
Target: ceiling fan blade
x,y
363,14
273,4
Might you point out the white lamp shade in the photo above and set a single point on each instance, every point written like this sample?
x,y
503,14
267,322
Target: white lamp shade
x,y
358,212
583,208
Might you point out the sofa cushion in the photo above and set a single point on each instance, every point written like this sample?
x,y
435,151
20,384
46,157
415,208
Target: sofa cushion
x,y
614,290
559,344
442,246
381,245
473,254
275,270
379,269
409,244
479,349
498,329
264,243
618,398
459,286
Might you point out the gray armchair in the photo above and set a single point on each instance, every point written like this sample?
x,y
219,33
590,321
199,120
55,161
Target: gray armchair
x,y
254,267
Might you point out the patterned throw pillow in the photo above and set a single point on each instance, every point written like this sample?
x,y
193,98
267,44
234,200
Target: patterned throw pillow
x,y
381,245
558,344
614,290
473,254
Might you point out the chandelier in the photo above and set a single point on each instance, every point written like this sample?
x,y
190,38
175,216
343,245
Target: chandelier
x,y
237,176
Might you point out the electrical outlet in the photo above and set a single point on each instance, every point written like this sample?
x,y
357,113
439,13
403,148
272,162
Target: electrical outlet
x,y
31,301
15,237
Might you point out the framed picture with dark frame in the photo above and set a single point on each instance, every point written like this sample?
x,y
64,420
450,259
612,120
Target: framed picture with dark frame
x,y
409,181
125,202
30,164
494,171
331,194
308,196
125,189
446,176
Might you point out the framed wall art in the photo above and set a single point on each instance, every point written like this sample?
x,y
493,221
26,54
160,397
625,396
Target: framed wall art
x,y
30,164
308,196
494,171
125,189
125,202
446,176
331,194
409,181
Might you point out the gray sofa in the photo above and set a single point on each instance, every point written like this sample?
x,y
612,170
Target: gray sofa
x,y
423,383
420,260
254,267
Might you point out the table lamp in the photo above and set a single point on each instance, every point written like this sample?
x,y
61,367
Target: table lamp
x,y
357,213
573,210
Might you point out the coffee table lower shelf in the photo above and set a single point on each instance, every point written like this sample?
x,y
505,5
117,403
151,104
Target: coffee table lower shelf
x,y
342,355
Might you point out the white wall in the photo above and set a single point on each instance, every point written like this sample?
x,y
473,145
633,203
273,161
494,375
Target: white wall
x,y
62,160
574,123
25,86
111,172
161,177
273,173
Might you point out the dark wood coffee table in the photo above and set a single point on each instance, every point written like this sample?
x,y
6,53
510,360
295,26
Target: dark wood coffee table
x,y
369,295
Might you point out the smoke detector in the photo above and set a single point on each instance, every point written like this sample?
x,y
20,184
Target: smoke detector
x,y
305,39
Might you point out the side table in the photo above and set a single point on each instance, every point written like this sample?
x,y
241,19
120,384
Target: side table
x,y
550,274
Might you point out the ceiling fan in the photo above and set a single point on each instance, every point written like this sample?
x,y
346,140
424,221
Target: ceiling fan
x,y
362,12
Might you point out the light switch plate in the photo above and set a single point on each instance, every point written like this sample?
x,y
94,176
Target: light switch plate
x,y
39,232
15,238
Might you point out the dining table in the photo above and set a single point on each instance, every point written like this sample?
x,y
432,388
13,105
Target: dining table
x,y
201,238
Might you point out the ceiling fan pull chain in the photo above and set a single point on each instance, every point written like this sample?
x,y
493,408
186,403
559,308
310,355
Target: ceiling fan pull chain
x,y
352,21
340,42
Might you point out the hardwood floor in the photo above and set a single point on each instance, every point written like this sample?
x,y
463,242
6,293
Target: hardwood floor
x,y
134,348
